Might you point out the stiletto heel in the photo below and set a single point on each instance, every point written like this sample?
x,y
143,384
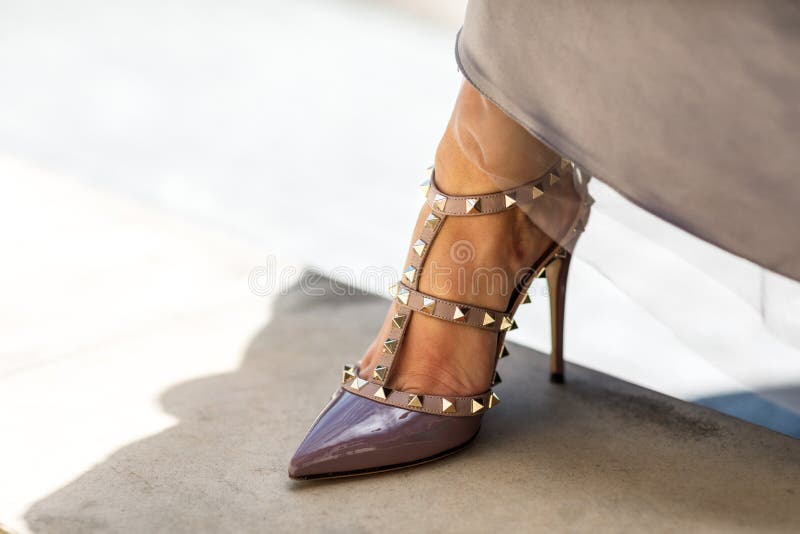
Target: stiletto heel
x,y
556,274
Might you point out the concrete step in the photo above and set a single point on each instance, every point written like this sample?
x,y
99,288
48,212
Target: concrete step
x,y
594,455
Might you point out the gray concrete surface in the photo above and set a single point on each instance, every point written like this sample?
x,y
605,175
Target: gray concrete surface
x,y
594,455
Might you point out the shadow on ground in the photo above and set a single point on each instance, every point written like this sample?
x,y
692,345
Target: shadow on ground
x,y
594,455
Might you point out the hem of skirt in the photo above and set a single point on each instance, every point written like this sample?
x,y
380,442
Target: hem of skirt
x,y
469,72
470,75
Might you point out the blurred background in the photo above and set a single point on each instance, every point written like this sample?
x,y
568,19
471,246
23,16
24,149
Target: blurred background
x,y
167,168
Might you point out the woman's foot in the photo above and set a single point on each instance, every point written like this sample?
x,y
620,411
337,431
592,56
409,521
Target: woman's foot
x,y
424,383
474,261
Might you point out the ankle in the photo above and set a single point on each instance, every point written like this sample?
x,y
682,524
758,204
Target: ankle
x,y
483,150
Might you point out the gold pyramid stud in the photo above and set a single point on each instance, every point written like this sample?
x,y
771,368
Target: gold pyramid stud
x,y
526,299
432,221
439,201
410,273
554,179
429,172
399,320
425,186
349,373
390,345
542,273
358,383
393,290
428,305
536,192
510,199
476,406
488,319
419,247
382,393
494,400
448,406
560,253
496,379
507,323
415,401
379,373
473,205
503,352
460,314
402,296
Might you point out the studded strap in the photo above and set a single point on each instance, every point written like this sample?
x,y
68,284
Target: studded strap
x,y
471,205
447,310
435,404
409,300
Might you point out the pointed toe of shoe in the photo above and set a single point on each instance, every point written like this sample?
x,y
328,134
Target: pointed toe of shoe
x,y
354,435
302,465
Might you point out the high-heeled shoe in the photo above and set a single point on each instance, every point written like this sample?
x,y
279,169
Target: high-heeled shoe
x,y
367,427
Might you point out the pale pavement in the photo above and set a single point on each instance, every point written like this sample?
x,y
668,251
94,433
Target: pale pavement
x,y
182,412
106,305
150,390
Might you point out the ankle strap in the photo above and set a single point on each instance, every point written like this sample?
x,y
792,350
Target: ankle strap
x,y
443,204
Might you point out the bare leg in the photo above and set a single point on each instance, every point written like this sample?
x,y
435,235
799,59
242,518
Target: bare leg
x,y
482,151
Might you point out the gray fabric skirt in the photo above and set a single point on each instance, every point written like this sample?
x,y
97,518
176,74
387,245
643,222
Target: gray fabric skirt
x,y
689,109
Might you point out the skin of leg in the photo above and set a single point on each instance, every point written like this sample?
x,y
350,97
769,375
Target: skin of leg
x,y
482,151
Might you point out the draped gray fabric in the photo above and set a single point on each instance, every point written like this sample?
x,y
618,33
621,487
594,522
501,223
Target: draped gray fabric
x,y
689,109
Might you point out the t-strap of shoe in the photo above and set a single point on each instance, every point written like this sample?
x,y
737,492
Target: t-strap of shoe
x,y
409,300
